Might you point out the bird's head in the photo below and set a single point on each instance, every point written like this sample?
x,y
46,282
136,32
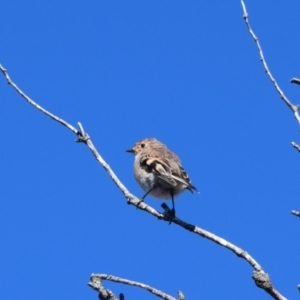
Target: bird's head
x,y
144,145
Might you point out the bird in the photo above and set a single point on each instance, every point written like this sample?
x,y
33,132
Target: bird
x,y
158,171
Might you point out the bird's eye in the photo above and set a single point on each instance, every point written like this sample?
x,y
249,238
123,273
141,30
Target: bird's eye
x,y
143,145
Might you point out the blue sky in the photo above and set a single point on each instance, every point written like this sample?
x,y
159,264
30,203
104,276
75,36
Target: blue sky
x,y
187,74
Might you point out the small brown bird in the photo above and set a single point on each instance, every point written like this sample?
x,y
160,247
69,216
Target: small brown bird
x,y
158,171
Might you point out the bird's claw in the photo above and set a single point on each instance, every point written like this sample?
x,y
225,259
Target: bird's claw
x,y
169,214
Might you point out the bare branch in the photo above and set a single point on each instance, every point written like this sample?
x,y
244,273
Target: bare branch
x,y
100,277
262,280
84,137
131,199
293,107
296,213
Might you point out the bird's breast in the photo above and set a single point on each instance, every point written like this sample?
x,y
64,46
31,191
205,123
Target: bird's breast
x,y
145,179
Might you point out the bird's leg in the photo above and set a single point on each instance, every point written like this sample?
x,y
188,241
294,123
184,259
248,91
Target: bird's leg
x,y
169,214
173,204
142,198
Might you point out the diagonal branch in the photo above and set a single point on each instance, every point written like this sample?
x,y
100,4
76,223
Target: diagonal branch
x,y
100,277
293,107
131,199
30,101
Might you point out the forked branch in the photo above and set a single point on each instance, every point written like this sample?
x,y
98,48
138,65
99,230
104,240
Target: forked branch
x,y
96,282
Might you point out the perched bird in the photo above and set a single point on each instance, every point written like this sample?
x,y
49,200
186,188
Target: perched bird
x,y
159,171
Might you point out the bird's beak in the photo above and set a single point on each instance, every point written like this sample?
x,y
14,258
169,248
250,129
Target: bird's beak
x,y
130,150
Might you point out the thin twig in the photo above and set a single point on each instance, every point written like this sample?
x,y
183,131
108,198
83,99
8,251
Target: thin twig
x,y
295,80
180,296
296,146
293,107
131,199
296,213
30,101
95,277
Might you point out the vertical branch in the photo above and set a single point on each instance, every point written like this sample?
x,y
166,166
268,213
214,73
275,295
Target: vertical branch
x,y
294,108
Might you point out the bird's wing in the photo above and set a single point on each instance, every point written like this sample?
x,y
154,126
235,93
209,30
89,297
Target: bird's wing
x,y
184,178
159,167
187,179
